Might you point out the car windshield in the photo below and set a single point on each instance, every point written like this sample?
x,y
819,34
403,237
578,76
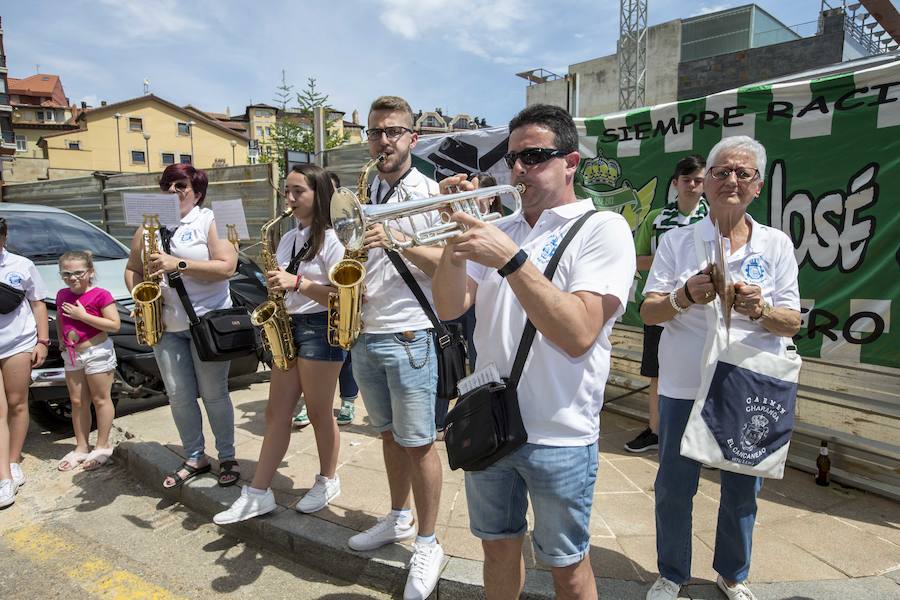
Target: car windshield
x,y
44,236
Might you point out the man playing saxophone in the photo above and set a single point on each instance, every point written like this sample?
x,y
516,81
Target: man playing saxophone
x,y
303,259
394,359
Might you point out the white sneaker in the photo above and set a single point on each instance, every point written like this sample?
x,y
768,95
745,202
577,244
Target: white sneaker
x,y
18,475
246,507
663,589
739,592
386,531
322,492
424,569
7,492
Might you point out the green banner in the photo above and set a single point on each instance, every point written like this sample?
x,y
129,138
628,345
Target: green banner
x,y
832,183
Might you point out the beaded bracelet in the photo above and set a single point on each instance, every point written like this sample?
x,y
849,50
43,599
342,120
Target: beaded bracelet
x,y
672,300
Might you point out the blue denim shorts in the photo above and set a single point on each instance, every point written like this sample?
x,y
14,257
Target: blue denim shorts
x,y
397,376
311,338
560,481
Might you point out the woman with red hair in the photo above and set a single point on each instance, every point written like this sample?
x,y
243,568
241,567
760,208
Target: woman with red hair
x,y
205,262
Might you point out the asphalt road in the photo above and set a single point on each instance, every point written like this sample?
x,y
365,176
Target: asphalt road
x,y
103,535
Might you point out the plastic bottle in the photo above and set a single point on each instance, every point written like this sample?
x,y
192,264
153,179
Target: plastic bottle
x,y
823,464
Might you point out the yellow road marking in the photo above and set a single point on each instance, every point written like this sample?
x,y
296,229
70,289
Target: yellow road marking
x,y
95,575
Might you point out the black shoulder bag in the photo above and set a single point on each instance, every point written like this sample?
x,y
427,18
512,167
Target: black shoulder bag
x,y
450,341
10,298
218,335
486,423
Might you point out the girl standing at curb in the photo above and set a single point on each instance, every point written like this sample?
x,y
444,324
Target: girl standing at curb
x,y
85,315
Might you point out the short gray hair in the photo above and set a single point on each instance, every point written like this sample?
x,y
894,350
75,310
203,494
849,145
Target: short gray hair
x,y
740,143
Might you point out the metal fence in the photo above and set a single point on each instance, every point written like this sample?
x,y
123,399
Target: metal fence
x,y
98,198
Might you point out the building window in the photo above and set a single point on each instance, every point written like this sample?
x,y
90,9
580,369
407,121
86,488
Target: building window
x,y
76,145
138,157
184,129
268,132
430,122
135,124
38,115
21,143
262,113
186,159
168,158
50,115
259,131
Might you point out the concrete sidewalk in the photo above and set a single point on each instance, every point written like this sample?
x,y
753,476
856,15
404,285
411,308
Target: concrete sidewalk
x,y
810,542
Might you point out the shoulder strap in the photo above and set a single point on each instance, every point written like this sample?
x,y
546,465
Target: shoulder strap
x,y
175,278
530,330
413,285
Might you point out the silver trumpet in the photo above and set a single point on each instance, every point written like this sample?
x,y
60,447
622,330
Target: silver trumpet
x,y
350,218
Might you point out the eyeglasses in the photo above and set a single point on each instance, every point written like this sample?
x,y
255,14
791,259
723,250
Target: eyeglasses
x,y
75,274
743,174
180,186
533,156
392,133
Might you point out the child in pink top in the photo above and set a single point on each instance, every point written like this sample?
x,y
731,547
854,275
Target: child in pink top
x,y
85,315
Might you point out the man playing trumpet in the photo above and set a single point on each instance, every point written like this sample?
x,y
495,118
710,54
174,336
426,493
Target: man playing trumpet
x,y
561,390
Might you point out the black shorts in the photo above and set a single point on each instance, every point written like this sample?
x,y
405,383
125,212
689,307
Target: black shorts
x,y
649,360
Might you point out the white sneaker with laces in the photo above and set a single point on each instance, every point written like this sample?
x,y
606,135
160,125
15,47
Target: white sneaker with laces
x,y
246,507
424,570
387,530
740,591
7,492
18,475
322,492
663,589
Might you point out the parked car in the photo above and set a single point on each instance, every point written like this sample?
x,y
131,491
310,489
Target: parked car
x,y
42,234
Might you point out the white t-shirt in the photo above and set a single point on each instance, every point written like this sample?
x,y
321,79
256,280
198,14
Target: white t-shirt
x,y
560,396
191,243
18,329
390,306
315,270
767,260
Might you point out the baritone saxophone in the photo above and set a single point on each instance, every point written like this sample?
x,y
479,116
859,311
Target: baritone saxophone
x,y
271,316
147,295
345,304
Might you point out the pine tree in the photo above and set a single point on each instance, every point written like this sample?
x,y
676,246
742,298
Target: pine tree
x,y
283,92
310,98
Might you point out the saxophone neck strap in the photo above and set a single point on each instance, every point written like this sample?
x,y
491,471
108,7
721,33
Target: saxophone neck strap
x,y
175,280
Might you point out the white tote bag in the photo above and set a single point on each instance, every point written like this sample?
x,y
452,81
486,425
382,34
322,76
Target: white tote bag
x,y
743,414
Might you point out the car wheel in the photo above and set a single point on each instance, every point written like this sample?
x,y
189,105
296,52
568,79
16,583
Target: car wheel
x,y
56,414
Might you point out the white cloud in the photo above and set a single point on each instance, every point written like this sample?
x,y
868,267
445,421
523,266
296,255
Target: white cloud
x,y
149,19
705,10
491,29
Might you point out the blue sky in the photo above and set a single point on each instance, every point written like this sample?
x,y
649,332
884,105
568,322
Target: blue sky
x,y
461,55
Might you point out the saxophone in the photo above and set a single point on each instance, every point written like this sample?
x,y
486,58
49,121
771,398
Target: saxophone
x,y
271,316
345,305
147,295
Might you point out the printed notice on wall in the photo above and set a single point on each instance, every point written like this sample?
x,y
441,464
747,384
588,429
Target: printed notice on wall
x,y
230,212
163,206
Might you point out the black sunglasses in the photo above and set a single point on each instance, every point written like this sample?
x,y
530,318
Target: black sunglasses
x,y
533,156
180,186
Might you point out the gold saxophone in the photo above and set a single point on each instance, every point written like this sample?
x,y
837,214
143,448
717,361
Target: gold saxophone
x,y
345,305
271,316
147,295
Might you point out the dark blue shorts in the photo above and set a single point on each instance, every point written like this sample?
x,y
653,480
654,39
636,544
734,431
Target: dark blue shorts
x,y
311,338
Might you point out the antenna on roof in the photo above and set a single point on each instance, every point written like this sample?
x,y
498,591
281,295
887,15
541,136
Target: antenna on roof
x,y
37,69
146,86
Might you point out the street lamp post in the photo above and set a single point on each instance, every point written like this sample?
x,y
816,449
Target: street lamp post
x,y
233,145
191,129
147,146
118,116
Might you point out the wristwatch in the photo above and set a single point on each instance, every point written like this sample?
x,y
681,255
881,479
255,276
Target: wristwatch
x,y
765,312
514,264
182,265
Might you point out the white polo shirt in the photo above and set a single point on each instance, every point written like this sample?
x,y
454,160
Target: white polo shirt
x,y
315,270
191,242
560,396
767,260
18,329
389,306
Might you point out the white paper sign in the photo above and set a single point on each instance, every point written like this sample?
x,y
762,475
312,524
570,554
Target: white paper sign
x,y
230,212
488,374
165,206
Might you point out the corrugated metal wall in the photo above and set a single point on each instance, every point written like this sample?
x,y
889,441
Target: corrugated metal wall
x,y
98,199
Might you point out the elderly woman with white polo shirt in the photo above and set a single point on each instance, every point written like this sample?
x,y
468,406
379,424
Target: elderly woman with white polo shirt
x,y
679,289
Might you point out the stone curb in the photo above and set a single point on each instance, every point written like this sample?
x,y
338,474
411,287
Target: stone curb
x,y
322,545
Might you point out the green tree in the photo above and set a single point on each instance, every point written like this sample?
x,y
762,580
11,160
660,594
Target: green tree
x,y
283,92
293,130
